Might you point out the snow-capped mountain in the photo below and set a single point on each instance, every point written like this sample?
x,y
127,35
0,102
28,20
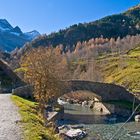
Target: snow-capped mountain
x,y
4,25
33,34
12,37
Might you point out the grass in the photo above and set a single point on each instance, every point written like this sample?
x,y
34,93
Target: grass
x,y
32,124
21,69
134,52
128,75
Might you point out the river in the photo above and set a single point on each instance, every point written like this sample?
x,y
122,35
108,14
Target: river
x,y
105,129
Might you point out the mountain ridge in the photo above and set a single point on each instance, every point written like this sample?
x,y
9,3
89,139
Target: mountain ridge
x,y
12,37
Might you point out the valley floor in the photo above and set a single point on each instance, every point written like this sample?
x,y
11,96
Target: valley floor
x,y
9,118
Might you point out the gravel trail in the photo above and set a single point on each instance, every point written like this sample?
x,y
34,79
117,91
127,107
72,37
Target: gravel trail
x,y
9,118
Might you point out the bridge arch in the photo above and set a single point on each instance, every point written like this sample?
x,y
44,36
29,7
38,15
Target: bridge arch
x,y
103,91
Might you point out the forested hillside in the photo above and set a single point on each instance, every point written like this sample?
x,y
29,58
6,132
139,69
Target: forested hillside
x,y
127,23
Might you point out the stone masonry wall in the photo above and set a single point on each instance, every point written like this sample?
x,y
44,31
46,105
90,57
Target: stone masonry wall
x,y
24,91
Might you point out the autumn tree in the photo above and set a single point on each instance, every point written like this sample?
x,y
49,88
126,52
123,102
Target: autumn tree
x,y
45,72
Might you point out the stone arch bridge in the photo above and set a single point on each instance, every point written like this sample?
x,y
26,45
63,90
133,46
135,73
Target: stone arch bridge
x,y
111,98
102,91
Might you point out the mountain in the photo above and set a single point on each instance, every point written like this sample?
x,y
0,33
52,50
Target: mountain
x,y
32,35
127,23
12,37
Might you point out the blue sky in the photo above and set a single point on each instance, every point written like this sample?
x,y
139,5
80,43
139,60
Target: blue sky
x,y
51,15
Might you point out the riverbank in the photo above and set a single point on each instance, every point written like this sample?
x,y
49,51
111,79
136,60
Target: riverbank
x,y
32,124
105,128
99,126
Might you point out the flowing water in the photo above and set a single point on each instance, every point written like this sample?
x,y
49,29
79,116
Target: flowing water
x,y
131,131
104,130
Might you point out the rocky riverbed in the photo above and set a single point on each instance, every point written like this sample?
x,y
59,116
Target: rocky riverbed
x,y
103,130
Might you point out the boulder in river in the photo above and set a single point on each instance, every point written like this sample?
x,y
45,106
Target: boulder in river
x,y
76,133
137,118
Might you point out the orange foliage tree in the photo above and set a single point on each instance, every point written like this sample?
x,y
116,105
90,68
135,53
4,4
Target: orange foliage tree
x,y
45,70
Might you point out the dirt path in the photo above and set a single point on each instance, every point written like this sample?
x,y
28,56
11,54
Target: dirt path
x,y
9,117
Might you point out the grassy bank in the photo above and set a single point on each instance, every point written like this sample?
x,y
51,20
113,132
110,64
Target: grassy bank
x,y
123,70
32,125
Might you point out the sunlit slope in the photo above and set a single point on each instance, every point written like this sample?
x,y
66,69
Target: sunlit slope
x,y
123,70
